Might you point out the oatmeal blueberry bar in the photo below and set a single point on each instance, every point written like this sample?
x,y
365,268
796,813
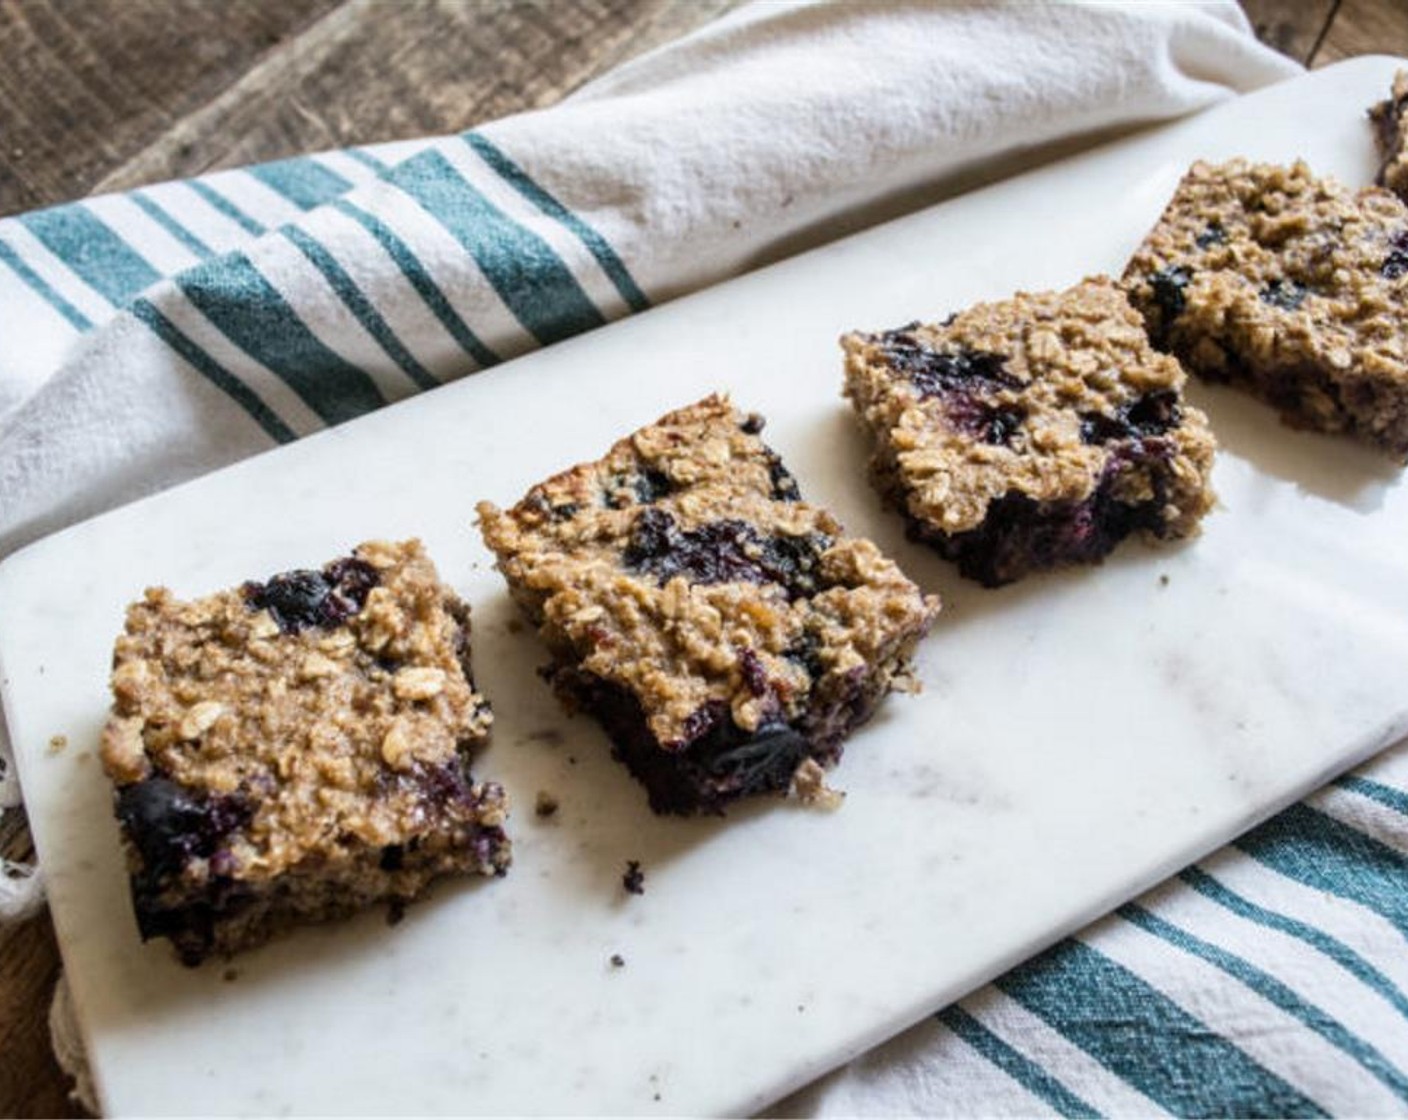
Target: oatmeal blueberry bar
x,y
295,750
1291,287
723,631
1031,433
1390,121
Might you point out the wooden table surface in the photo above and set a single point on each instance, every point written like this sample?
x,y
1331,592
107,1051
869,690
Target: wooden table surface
x,y
99,95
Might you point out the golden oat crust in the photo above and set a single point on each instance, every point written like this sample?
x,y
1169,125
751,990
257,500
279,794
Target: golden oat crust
x,y
998,402
322,748
1290,286
678,643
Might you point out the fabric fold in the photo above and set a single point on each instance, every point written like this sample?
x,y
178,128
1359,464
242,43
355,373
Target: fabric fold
x,y
180,327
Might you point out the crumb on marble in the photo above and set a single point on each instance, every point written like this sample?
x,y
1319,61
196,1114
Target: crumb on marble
x,y
634,879
549,735
1163,580
57,743
809,786
545,805
618,961
230,975
907,683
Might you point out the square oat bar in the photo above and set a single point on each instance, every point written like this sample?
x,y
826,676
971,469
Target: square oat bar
x,y
1390,121
297,749
727,635
1031,433
1291,287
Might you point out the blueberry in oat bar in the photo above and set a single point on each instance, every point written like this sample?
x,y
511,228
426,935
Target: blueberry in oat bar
x,y
1390,121
1292,287
723,631
297,749
1031,433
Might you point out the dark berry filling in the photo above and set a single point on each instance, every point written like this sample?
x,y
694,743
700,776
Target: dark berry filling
x,y
1396,263
714,760
1214,234
1285,294
1151,415
393,857
937,372
1170,289
302,599
750,666
784,486
651,485
805,652
171,825
645,486
724,551
990,423
766,760
1020,535
752,424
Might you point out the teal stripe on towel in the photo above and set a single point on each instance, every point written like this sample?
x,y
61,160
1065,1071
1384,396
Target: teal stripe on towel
x,y
1274,991
219,202
100,258
360,306
304,182
1332,947
1322,853
1386,796
600,248
529,277
365,158
420,279
1143,1037
158,213
43,289
250,312
1030,1076
213,371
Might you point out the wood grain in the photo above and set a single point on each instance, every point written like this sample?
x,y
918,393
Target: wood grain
x,y
1293,27
1365,27
85,84
31,1083
371,70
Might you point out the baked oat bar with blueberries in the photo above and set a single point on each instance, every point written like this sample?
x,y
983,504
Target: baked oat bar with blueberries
x,y
1292,287
1390,120
298,749
725,633
1031,433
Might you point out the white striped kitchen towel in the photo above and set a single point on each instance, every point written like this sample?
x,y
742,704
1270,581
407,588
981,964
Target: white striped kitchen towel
x,y
150,336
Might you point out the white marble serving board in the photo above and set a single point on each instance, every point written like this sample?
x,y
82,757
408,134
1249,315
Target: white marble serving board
x,y
1080,736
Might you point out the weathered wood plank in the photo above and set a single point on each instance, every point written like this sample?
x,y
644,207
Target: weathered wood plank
x,y
1365,27
31,1083
84,85
1293,27
375,70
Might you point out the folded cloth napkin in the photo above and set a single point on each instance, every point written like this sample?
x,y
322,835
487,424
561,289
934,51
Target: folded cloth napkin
x,y
154,335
